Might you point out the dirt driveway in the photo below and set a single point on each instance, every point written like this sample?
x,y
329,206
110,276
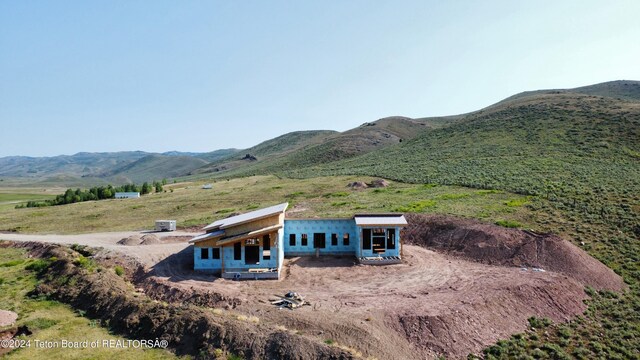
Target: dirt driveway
x,y
147,254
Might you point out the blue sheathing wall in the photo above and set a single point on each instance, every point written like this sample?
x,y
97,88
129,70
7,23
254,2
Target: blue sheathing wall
x,y
212,265
327,226
231,265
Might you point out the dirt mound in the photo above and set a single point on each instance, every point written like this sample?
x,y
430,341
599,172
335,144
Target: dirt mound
x,y
132,240
150,239
496,245
358,185
166,291
7,317
379,183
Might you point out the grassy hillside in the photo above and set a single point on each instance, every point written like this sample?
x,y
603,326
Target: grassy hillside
x,y
363,139
267,152
578,157
216,154
581,152
68,165
154,167
619,89
329,147
317,197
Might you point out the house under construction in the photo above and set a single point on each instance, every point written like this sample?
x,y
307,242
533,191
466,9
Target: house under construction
x,y
253,245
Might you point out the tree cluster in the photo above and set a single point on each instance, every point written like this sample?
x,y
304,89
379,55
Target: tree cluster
x,y
96,193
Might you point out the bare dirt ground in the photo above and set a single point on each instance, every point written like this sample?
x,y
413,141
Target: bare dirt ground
x,y
7,318
457,300
431,304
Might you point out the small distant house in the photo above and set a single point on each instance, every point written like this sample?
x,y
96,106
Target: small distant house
x,y
207,186
253,245
127,195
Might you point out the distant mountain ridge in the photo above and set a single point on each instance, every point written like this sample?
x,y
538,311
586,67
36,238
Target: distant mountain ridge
x,y
393,139
618,89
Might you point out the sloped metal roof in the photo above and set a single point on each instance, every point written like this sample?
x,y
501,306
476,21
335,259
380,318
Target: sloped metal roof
x,y
382,219
244,218
207,236
247,235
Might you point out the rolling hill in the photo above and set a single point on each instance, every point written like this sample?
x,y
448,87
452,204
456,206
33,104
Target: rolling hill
x,y
267,151
153,167
520,144
619,89
299,149
69,165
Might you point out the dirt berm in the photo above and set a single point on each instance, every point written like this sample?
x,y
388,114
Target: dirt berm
x,y
495,245
188,330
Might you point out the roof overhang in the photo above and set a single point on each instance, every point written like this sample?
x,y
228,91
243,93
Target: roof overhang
x,y
247,217
380,220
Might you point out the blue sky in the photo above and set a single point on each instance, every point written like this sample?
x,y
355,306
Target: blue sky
x,y
204,75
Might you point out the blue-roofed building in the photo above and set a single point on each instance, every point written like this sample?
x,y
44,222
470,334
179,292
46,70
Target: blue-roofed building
x,y
253,245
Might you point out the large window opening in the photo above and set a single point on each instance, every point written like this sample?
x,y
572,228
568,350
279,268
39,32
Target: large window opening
x,y
304,240
266,247
378,238
237,251
204,253
345,239
334,239
215,253
391,238
292,239
319,240
366,239
251,254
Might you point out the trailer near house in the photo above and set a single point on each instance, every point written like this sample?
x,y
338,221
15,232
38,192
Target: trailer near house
x,y
165,225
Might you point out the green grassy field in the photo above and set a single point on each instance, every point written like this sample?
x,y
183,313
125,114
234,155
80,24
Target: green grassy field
x,y
319,197
53,321
10,198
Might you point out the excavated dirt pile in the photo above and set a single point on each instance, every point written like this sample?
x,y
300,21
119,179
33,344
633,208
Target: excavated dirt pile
x,y
495,245
188,330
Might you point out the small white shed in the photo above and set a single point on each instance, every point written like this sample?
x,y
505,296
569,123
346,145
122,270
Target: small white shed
x,y
165,225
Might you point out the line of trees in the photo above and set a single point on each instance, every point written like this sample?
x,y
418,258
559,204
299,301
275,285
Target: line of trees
x,y
96,193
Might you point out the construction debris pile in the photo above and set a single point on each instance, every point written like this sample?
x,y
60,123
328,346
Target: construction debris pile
x,y
291,300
